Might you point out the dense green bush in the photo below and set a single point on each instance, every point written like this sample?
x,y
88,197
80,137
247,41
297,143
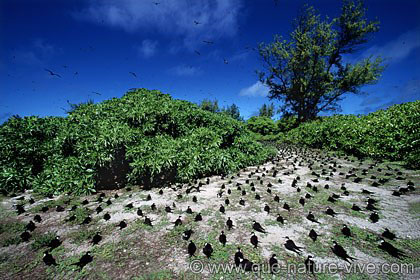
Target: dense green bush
x,y
385,134
145,138
262,125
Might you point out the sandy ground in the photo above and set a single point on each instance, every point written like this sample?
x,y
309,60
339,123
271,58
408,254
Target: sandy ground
x,y
140,250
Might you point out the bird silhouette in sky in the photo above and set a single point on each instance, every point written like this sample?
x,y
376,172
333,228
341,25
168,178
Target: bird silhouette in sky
x,y
96,92
196,22
52,73
197,52
208,42
134,74
225,61
156,3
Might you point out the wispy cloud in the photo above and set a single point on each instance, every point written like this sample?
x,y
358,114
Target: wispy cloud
x,y
214,18
185,71
409,92
147,48
258,89
398,49
36,53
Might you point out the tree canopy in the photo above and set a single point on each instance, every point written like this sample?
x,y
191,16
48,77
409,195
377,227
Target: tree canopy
x,y
267,111
308,72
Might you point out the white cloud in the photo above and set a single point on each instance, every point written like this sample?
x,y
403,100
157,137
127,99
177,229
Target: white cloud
x,y
147,48
183,71
397,49
257,89
217,18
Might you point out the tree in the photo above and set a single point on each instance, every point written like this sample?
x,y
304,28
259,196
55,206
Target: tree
x,y
267,111
307,72
262,125
208,105
233,111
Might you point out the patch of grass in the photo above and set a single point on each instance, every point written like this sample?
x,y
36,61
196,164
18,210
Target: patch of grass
x,y
158,275
414,208
10,232
42,240
79,236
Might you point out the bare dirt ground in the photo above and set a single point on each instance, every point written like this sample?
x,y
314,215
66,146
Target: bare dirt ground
x,y
159,252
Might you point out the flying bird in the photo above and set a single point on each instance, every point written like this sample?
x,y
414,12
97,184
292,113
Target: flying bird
x,y
208,42
52,73
134,74
197,52
96,92
196,22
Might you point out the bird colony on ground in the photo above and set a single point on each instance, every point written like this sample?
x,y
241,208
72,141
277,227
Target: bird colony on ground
x,y
301,207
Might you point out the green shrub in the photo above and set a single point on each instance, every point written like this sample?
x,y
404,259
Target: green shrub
x,y
262,125
386,134
144,138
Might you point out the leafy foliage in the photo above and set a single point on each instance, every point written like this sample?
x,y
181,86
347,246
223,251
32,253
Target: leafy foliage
x,y
262,125
385,134
267,110
145,138
307,72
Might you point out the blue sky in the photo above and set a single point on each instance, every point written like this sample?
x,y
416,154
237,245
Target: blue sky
x,y
94,45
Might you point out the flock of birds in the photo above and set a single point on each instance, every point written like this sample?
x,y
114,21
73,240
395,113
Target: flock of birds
x,y
295,158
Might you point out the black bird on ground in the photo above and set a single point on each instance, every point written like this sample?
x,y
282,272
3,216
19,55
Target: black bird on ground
x,y
84,260
280,219
129,206
310,265
371,200
178,221
311,218
254,240
222,238
86,221
96,239
52,73
222,209
366,192
71,218
99,209
313,235
107,216
187,234
108,202
25,236
153,207
37,218
371,207
331,199
374,217
242,202
191,248
286,206
229,223
168,209
20,209
54,243
308,195
149,197
247,265
85,202
147,221
48,259
388,234
276,198
30,226
330,212
390,249
355,207
198,217
59,208
257,227
340,252
122,224
302,201
290,245
189,210
267,209
194,199
273,262
238,256
346,231
257,197
31,201
208,250
227,201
